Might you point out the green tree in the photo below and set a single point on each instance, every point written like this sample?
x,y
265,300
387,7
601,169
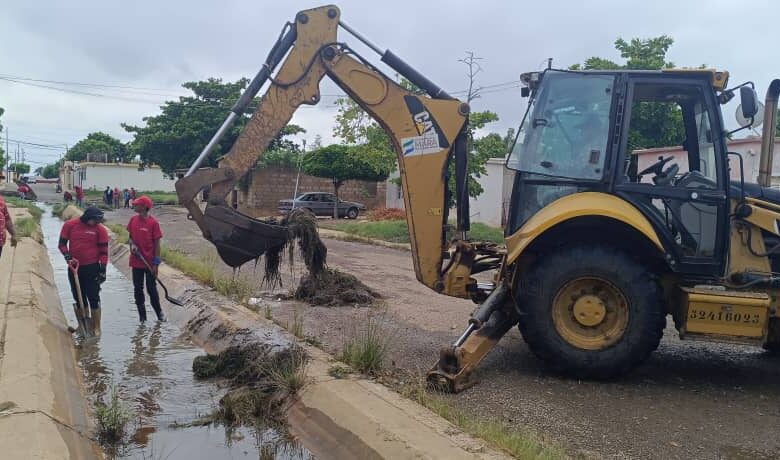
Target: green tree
x,y
653,124
341,163
175,137
50,171
99,146
20,168
355,126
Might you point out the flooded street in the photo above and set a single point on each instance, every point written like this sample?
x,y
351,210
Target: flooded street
x,y
151,365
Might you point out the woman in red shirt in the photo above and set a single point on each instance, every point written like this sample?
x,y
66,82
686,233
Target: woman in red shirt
x,y
83,239
145,235
6,224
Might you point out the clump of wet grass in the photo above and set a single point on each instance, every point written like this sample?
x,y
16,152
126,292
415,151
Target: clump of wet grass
x,y
301,228
260,382
519,443
337,371
367,347
332,288
112,419
57,209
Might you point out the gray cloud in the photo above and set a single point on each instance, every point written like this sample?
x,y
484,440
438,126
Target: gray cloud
x,y
160,44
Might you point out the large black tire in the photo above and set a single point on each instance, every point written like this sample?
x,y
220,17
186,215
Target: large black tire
x,y
553,284
352,213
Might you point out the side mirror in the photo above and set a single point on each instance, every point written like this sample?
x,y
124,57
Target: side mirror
x,y
749,102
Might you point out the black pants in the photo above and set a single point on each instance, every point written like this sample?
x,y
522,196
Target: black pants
x,y
90,288
151,286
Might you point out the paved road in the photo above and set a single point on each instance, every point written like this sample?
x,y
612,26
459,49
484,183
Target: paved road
x,y
690,400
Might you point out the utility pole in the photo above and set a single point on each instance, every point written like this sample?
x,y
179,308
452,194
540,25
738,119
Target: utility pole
x,y
298,177
7,158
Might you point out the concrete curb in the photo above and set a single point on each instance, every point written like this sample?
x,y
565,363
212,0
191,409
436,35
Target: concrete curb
x,y
338,418
43,413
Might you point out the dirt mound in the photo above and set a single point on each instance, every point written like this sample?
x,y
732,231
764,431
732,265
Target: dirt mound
x,y
333,288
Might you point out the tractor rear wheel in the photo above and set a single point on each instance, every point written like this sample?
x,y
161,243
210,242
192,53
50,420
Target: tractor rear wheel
x,y
590,311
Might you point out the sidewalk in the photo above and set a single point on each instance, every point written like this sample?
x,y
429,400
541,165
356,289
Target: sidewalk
x,y
43,413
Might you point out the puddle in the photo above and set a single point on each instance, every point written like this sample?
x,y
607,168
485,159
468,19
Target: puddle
x,y
152,367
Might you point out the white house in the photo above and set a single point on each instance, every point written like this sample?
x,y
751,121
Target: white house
x,y
98,176
490,207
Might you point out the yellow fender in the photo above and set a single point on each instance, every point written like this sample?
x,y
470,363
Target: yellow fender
x,y
578,205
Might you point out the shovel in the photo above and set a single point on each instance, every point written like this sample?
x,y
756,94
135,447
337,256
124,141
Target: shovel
x,y
170,299
82,313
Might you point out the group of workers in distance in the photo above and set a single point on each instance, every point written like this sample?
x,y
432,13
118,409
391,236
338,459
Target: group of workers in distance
x,y
84,244
114,197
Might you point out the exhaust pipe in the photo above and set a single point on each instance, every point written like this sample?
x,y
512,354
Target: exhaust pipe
x,y
768,134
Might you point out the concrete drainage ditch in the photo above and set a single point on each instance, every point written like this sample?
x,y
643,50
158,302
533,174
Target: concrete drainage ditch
x,y
349,418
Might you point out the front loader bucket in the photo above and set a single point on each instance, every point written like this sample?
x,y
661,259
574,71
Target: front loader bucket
x,y
240,238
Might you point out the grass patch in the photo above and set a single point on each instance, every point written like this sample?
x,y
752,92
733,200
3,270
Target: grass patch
x,y
112,420
17,202
160,197
27,227
396,231
202,270
516,442
366,349
482,232
122,235
296,327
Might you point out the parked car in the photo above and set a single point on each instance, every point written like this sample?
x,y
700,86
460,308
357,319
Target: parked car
x,y
321,204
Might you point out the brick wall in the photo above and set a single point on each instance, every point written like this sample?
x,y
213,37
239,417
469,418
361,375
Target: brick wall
x,y
270,185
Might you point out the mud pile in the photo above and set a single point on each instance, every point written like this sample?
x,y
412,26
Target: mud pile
x,y
332,288
260,383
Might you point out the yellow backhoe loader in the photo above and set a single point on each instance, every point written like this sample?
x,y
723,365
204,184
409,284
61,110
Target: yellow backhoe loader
x,y
601,245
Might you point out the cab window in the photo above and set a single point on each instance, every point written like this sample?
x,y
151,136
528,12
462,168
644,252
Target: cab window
x,y
566,129
670,139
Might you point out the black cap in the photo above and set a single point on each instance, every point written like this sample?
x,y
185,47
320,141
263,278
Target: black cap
x,y
92,213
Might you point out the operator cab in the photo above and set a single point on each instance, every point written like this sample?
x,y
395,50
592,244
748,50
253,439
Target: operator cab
x,y
653,138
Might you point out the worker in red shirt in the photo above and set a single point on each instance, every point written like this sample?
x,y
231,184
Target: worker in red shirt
x,y
79,195
145,236
83,239
6,224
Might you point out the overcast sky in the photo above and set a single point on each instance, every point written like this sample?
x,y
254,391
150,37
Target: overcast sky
x,y
160,44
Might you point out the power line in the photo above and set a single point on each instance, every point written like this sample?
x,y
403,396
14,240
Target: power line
x,y
97,85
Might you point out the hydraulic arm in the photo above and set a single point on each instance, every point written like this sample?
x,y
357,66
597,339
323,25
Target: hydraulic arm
x,y
425,131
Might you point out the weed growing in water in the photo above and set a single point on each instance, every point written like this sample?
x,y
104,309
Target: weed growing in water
x,y
112,420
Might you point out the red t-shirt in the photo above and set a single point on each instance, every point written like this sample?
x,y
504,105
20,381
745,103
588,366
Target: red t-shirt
x,y
5,217
144,231
79,192
85,243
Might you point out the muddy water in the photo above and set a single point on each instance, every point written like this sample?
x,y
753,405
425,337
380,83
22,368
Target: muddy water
x,y
151,365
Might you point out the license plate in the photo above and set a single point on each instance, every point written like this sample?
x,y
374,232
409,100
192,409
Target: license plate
x,y
737,320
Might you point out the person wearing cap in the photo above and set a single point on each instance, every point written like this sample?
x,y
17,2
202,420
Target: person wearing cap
x,y
84,240
145,236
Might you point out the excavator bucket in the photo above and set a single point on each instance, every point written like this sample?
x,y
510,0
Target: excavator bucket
x,y
240,238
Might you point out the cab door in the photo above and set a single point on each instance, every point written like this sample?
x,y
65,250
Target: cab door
x,y
674,169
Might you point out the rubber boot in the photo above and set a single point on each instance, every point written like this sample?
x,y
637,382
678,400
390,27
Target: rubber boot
x,y
96,313
141,312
